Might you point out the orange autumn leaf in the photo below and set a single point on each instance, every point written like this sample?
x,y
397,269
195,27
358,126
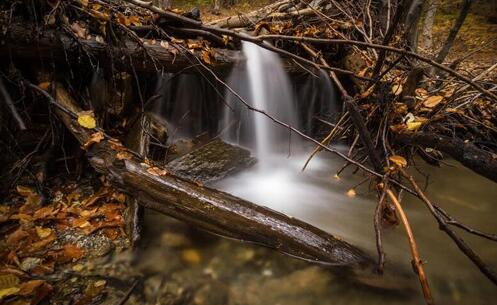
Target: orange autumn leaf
x,y
398,160
156,171
96,137
73,252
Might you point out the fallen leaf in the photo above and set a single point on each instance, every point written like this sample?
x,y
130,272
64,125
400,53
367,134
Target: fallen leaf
x,y
124,155
100,283
43,232
15,237
8,291
87,119
42,243
8,281
73,252
44,85
96,137
28,288
206,57
156,171
398,160
413,126
78,267
432,101
190,256
397,89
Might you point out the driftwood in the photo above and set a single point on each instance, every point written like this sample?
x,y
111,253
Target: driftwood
x,y
207,208
26,43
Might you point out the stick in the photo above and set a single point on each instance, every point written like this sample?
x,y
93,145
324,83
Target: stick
x,y
387,48
12,108
486,270
416,262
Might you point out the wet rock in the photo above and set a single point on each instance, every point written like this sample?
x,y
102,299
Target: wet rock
x,y
151,287
299,288
175,240
211,293
212,162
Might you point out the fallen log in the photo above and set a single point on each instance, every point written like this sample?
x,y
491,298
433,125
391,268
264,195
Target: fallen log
x,y
28,42
204,207
480,161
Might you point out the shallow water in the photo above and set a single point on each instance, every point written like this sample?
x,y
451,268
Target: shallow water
x,y
317,197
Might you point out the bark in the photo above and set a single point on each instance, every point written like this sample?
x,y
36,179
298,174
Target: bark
x,y
412,22
427,31
243,20
480,161
21,42
453,31
207,208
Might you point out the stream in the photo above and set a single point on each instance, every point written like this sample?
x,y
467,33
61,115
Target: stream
x,y
186,266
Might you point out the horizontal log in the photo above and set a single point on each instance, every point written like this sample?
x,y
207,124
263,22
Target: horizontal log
x,y
28,42
208,208
480,161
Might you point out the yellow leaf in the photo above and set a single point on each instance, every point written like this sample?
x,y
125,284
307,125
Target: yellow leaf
x,y
398,160
226,39
8,291
351,193
43,232
397,89
8,281
432,101
84,2
77,267
413,126
87,119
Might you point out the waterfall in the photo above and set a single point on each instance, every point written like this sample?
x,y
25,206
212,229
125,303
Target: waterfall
x,y
264,85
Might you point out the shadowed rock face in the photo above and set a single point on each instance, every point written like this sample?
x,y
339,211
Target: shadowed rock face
x,y
211,162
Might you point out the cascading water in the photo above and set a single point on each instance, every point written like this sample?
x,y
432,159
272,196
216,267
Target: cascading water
x,y
264,85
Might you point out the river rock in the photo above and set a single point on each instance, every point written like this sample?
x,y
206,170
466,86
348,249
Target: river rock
x,y
211,162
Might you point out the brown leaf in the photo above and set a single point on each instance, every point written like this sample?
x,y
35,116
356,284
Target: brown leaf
x,y
156,171
41,243
73,252
79,30
432,101
96,137
17,236
124,155
44,85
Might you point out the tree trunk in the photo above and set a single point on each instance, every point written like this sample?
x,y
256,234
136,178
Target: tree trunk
x,y
412,23
427,31
49,45
453,31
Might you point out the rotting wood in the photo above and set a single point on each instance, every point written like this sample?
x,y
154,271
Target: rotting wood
x,y
207,208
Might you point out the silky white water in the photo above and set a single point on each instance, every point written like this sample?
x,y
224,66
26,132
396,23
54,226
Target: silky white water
x,y
317,197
